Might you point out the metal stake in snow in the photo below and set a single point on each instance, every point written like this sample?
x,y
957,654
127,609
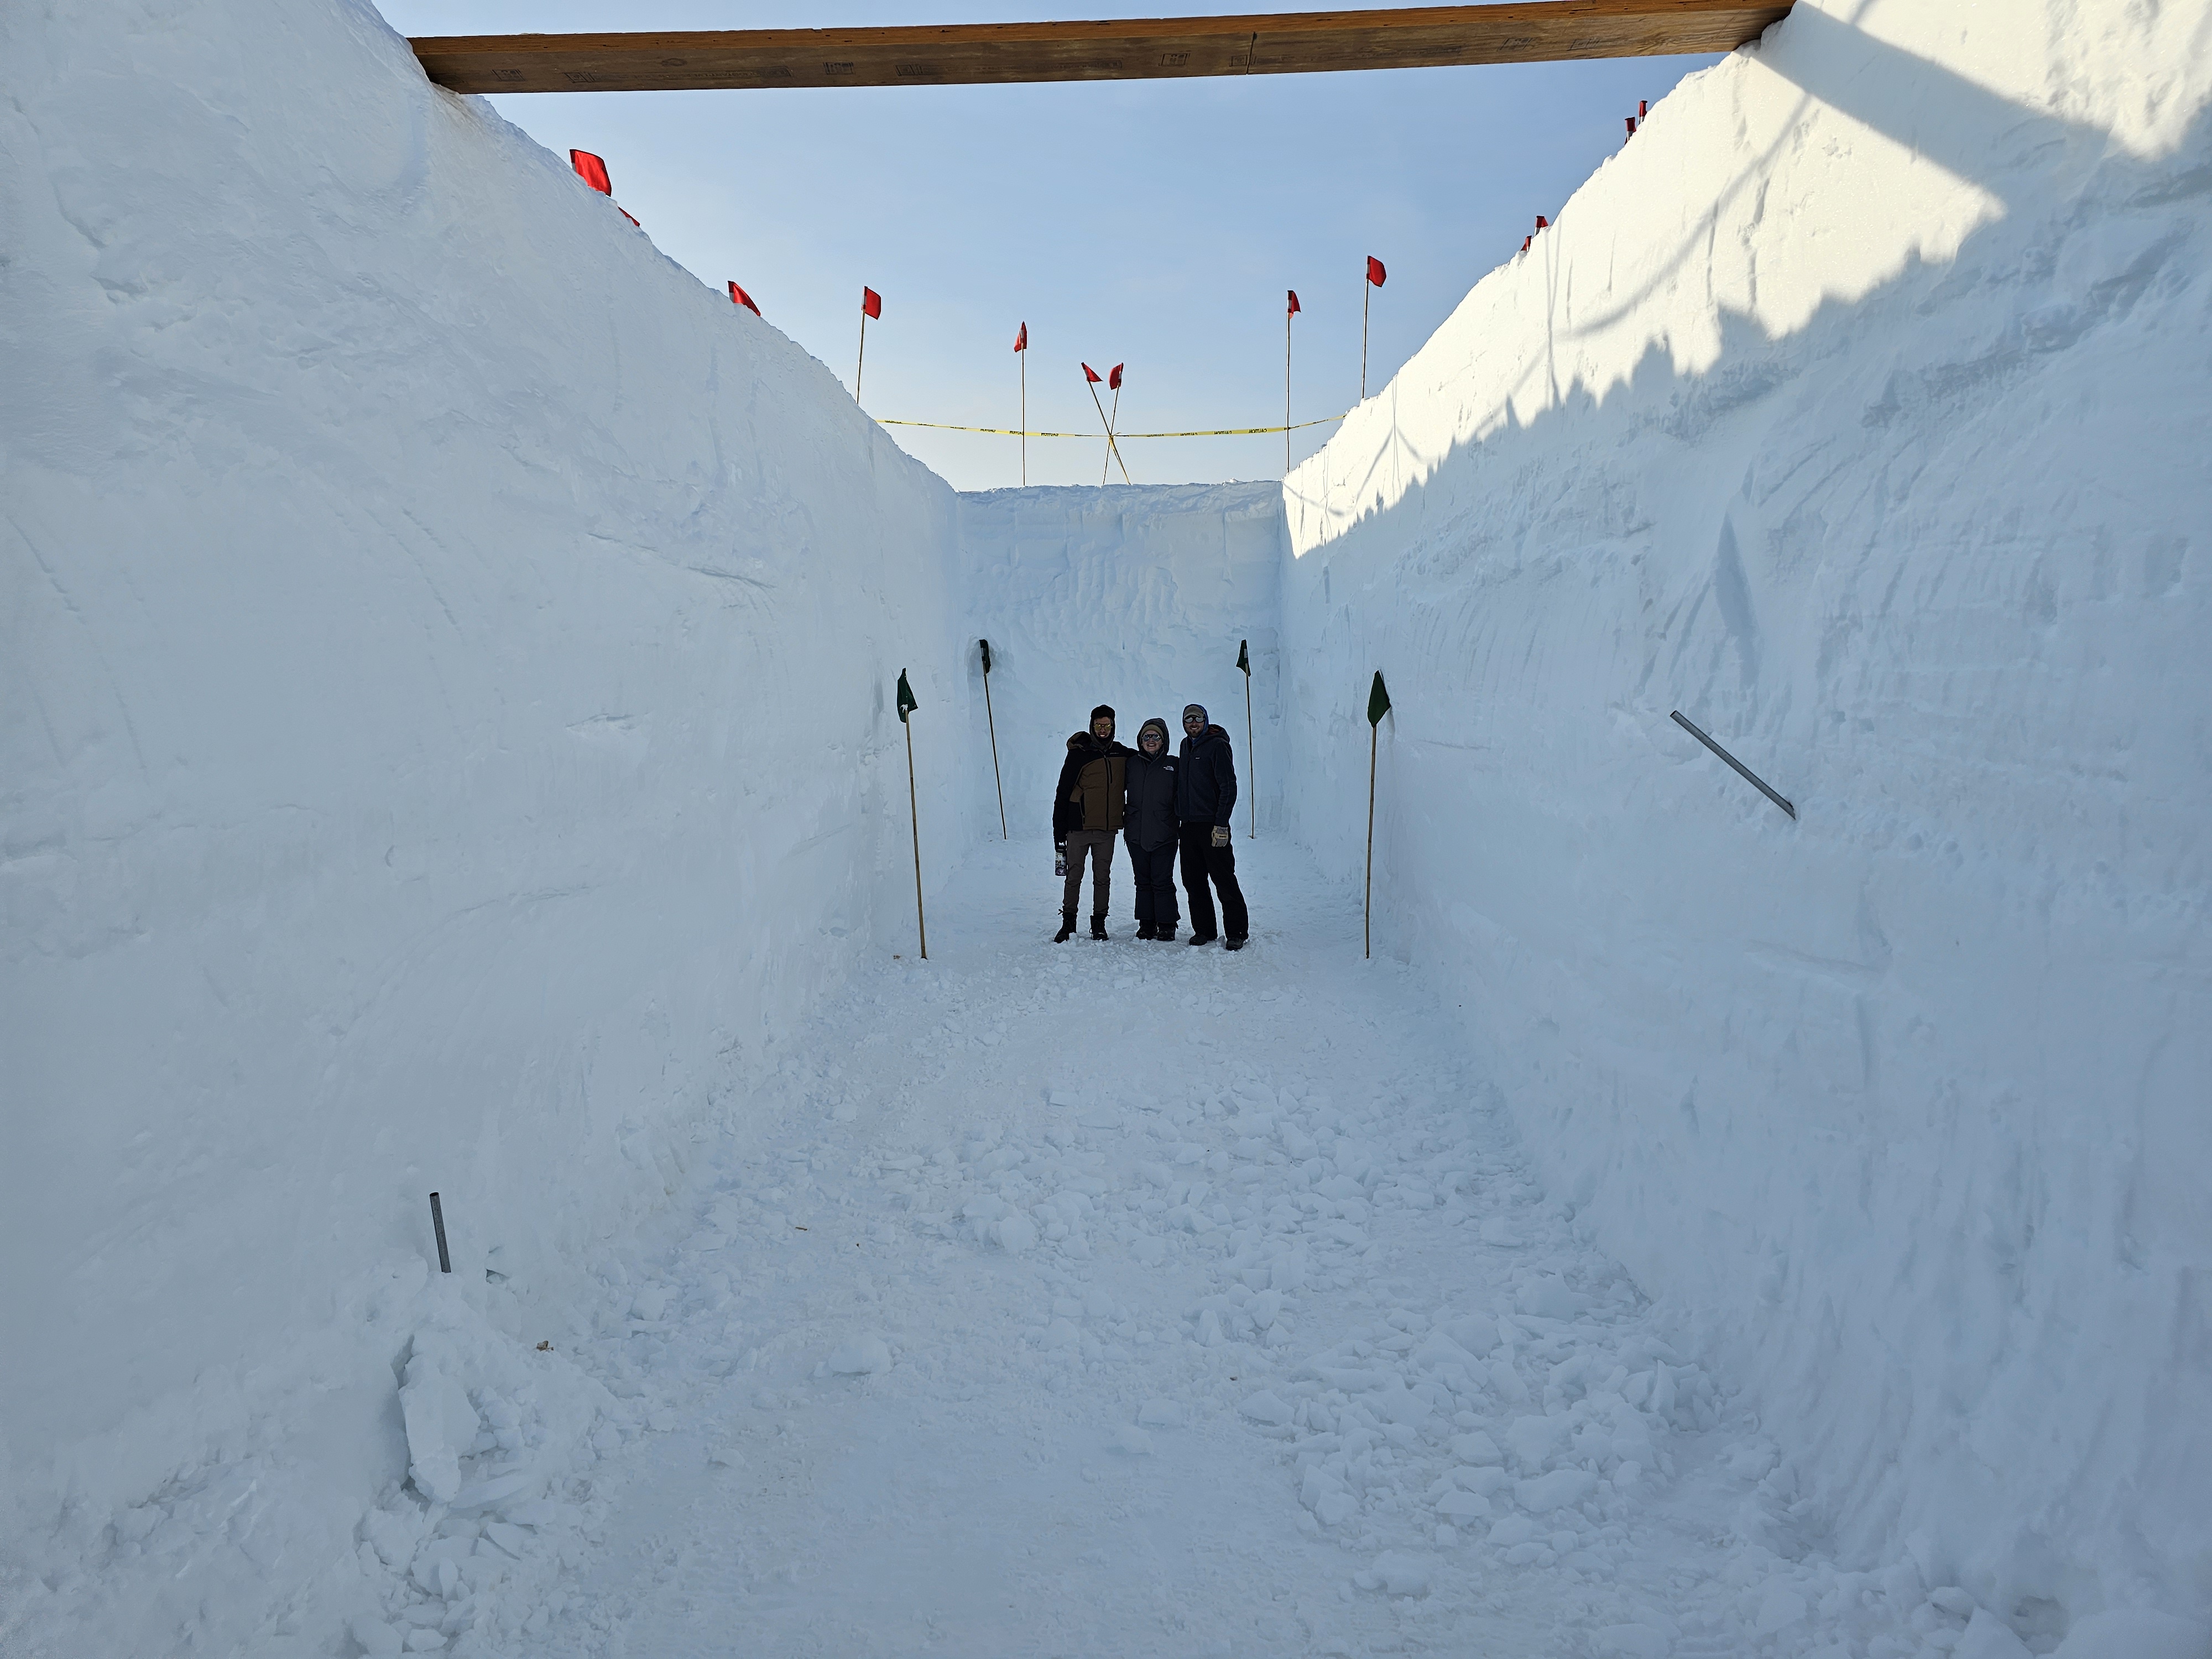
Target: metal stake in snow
x,y
1251,761
993,725
438,1226
907,706
1745,772
1378,705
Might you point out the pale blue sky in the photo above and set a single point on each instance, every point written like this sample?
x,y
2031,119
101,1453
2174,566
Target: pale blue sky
x,y
1155,223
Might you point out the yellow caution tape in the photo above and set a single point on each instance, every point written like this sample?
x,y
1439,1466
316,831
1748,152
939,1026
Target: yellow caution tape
x,y
1215,432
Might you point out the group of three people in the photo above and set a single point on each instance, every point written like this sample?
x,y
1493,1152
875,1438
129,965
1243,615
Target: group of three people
x,y
1161,805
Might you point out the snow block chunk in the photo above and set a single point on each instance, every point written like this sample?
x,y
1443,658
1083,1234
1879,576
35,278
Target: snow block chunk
x,y
442,1425
861,1356
1264,1407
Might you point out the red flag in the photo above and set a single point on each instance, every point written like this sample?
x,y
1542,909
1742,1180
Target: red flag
x,y
1114,379
1631,120
740,297
1642,107
1542,223
1090,374
628,215
1295,307
1375,271
591,170
1525,242
1022,339
872,303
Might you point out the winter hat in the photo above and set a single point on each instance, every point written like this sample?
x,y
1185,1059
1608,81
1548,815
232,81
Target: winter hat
x,y
1104,708
1197,708
1155,724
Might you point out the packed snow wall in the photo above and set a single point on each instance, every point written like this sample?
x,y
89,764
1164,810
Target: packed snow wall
x,y
1138,598
446,730
1856,409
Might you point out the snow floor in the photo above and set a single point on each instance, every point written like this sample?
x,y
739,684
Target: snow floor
x,y
1131,1299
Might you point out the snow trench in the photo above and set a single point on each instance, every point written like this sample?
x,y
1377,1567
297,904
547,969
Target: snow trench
x,y
447,742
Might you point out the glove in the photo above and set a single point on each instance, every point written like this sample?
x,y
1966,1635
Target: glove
x,y
1221,834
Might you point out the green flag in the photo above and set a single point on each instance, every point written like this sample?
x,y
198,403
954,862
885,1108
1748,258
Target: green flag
x,y
986,644
907,705
1378,702
1244,657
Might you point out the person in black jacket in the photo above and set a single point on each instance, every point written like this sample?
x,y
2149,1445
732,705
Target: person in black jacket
x,y
1149,825
1206,798
1086,813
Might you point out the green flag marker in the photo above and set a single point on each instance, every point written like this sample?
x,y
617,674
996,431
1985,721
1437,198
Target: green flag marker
x,y
1378,702
907,705
1244,657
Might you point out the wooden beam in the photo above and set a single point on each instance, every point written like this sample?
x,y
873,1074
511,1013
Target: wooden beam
x,y
1289,42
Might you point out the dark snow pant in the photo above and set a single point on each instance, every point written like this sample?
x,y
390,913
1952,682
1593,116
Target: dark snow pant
x,y
1099,845
1202,860
1155,894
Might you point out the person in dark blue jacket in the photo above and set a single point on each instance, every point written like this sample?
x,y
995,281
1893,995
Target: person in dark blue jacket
x,y
1150,825
1206,799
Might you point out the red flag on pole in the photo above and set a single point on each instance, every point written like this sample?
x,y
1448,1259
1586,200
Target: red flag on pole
x,y
1642,107
740,297
1375,271
1295,306
1114,379
1090,374
628,215
1542,223
872,303
591,170
1022,339
1631,120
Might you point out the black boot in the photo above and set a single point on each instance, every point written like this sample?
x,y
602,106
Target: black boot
x,y
1066,928
1201,939
1098,927
1236,943
1164,931
1144,930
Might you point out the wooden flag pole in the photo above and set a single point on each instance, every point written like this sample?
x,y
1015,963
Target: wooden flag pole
x,y
1367,922
862,362
1111,451
1366,294
992,721
1286,393
1025,481
913,812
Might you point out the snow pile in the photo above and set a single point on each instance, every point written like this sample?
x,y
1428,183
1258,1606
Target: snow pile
x,y
1138,598
1856,410
447,740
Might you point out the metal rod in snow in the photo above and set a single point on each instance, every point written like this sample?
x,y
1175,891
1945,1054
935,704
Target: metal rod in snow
x,y
994,723
1251,764
1743,771
913,810
438,1226
1367,912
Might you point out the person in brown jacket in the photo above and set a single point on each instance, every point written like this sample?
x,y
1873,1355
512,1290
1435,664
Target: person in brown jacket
x,y
1086,815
